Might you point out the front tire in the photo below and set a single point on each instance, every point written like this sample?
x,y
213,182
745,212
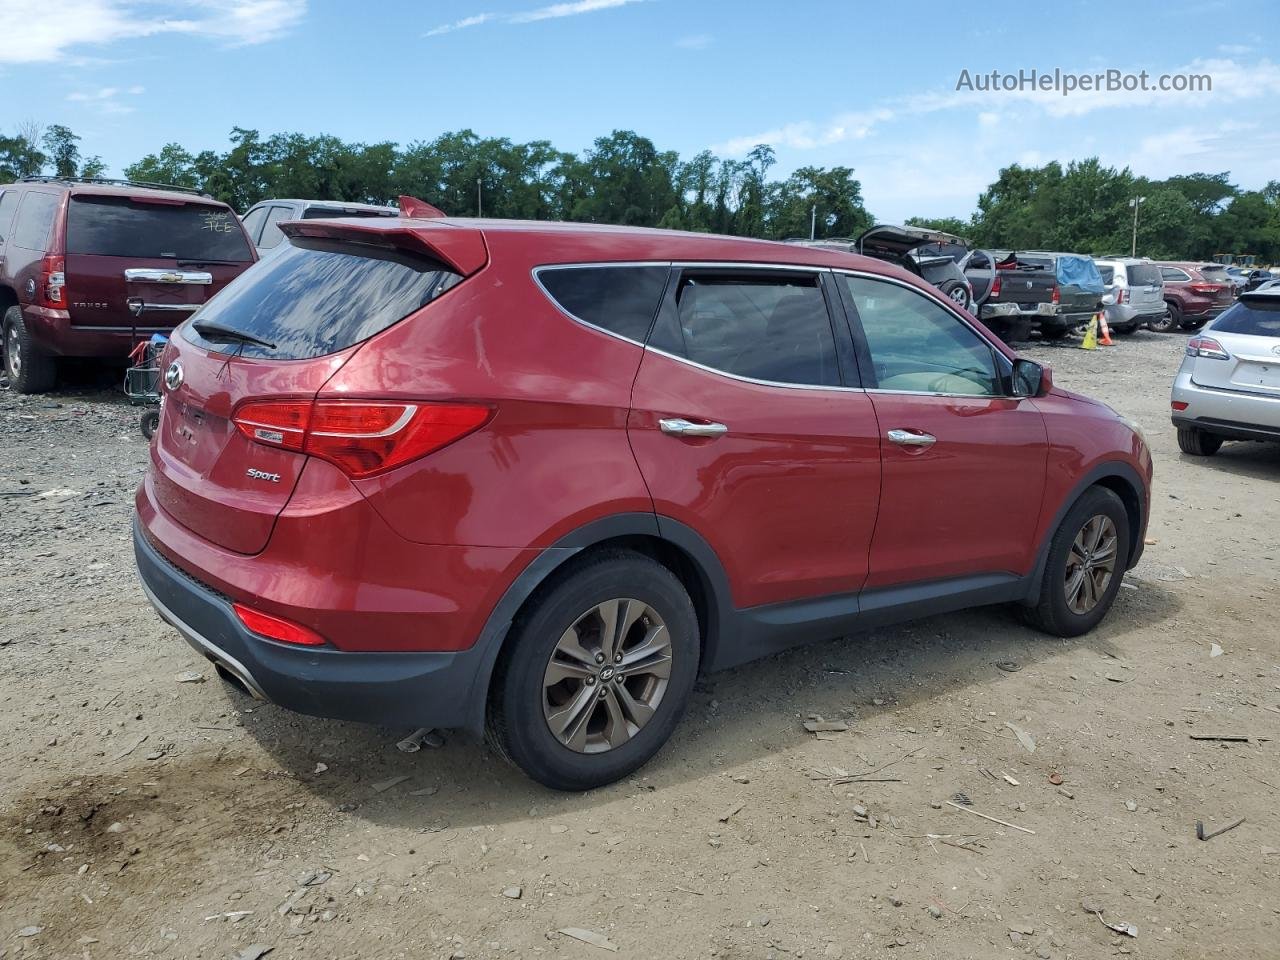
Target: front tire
x,y
557,708
1088,556
1198,443
1171,320
28,367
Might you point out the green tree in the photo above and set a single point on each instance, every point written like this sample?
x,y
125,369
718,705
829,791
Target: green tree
x,y
62,150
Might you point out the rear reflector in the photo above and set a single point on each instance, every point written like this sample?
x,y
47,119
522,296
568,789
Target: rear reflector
x,y
361,437
1178,404
274,628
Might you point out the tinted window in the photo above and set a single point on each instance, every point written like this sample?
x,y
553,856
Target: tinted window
x,y
621,300
1173,273
918,345
1214,274
1254,316
1143,275
253,223
271,234
1108,273
35,217
762,327
120,227
316,297
8,204
323,213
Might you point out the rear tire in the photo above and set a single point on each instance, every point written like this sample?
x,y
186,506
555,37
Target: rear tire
x,y
1197,442
28,367
1054,333
1171,320
1082,575
558,656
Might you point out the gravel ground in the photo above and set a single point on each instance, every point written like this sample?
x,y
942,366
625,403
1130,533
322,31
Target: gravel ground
x,y
144,816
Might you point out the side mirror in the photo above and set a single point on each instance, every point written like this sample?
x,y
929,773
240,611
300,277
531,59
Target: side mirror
x,y
1031,379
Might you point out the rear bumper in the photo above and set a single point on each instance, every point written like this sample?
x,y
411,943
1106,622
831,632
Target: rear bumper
x,y
431,689
55,333
1202,311
1227,413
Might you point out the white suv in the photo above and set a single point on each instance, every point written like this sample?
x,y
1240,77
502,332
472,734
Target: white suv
x,y
1134,293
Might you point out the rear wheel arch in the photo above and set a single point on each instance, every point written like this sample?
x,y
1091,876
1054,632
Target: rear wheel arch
x,y
670,543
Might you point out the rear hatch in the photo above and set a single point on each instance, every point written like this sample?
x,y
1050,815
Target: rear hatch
x,y
148,261
226,460
1215,284
1146,288
1248,361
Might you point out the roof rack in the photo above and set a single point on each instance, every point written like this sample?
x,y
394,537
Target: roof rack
x,y
112,182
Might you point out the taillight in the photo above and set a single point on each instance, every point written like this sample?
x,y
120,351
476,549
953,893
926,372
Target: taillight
x,y
276,628
995,287
361,437
53,282
1057,295
1122,295
1206,347
1206,289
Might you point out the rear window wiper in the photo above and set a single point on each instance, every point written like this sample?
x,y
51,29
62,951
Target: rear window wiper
x,y
212,330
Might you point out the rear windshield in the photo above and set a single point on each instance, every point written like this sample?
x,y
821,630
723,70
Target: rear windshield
x,y
120,227
325,213
1214,274
1254,316
316,297
1144,275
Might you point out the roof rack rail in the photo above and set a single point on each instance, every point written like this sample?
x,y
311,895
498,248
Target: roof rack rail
x,y
113,182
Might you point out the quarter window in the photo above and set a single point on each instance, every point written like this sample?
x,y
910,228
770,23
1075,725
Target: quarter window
x,y
8,204
621,300
1173,273
771,328
253,223
35,217
919,346
271,235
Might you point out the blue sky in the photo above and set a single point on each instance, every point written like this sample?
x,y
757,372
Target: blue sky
x,y
866,85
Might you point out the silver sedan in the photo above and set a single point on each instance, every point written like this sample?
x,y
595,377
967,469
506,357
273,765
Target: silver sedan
x,y
1228,387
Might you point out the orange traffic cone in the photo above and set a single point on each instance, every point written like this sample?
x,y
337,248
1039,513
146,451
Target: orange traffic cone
x,y
1105,340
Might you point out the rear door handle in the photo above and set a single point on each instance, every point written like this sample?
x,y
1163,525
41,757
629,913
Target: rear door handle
x,y
909,438
680,427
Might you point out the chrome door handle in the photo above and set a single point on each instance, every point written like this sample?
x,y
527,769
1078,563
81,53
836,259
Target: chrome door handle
x,y
907,438
680,427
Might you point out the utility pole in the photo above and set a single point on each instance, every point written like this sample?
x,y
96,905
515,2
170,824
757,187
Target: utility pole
x,y
813,222
479,196
1135,203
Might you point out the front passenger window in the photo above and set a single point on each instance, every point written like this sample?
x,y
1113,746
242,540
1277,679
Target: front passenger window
x,y
918,346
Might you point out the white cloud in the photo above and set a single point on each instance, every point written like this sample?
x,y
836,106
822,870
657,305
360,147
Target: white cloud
x,y
106,100
462,24
696,41
806,135
553,12
34,34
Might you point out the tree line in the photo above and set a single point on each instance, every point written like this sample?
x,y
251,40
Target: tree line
x,y
624,178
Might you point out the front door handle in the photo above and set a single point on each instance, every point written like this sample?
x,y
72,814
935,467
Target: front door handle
x,y
680,427
909,438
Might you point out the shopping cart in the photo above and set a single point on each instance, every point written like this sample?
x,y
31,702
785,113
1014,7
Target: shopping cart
x,y
142,380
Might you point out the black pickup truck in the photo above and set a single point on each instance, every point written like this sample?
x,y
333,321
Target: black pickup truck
x,y
1035,290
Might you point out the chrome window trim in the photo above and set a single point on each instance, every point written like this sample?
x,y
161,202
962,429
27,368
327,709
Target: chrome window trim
x,y
947,307
742,379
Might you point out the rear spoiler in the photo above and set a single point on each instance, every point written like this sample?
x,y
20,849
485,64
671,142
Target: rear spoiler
x,y
460,248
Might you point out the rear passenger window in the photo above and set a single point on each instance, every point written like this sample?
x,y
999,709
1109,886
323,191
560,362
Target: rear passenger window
x,y
8,204
253,223
620,300
31,232
760,327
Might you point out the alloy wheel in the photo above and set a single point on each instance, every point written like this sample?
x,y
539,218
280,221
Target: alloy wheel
x,y
960,297
607,676
13,350
1091,564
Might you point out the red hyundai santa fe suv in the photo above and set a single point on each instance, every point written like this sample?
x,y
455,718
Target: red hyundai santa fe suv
x,y
532,478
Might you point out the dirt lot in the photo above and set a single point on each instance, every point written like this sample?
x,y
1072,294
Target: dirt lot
x,y
143,816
